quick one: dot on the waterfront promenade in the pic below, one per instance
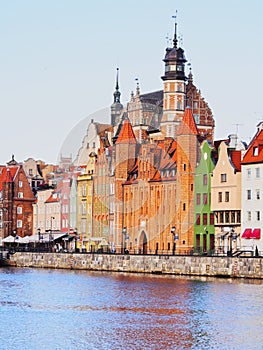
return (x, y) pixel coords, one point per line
(213, 266)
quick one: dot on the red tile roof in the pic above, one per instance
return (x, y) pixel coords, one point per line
(235, 157)
(187, 125)
(126, 134)
(250, 156)
(8, 174)
(52, 199)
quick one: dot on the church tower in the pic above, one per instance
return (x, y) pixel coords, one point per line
(174, 88)
(116, 107)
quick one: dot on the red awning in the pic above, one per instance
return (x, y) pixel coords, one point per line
(247, 233)
(256, 233)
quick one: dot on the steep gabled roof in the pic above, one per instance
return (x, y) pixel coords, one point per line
(254, 153)
(163, 161)
(187, 126)
(126, 134)
(8, 174)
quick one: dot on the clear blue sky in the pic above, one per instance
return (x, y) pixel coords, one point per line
(58, 60)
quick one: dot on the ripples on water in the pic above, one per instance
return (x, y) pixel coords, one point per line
(57, 309)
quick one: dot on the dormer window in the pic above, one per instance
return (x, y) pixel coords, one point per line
(255, 151)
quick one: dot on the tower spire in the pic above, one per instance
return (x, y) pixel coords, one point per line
(117, 79)
(117, 94)
(116, 107)
(175, 30)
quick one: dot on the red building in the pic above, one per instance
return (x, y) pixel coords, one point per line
(16, 199)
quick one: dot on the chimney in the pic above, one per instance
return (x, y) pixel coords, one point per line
(233, 141)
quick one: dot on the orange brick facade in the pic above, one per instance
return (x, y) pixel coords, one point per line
(16, 210)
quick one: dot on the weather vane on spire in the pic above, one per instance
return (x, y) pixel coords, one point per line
(175, 24)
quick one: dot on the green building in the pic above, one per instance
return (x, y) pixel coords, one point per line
(204, 231)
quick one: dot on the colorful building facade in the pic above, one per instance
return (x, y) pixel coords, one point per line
(204, 231)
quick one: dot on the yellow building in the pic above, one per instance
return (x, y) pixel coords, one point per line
(84, 204)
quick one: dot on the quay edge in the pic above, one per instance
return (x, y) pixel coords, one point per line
(214, 266)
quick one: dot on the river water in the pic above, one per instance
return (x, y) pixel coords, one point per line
(62, 309)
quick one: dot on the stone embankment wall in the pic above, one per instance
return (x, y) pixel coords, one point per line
(177, 265)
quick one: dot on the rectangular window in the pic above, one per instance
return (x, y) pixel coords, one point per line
(184, 206)
(83, 208)
(197, 118)
(197, 219)
(223, 177)
(248, 173)
(204, 219)
(255, 151)
(233, 217)
(258, 194)
(20, 184)
(19, 223)
(226, 196)
(198, 198)
(221, 217)
(20, 194)
(249, 216)
(227, 216)
(220, 196)
(212, 219)
(258, 215)
(257, 172)
(205, 179)
(238, 216)
(84, 190)
(179, 105)
(19, 210)
(248, 194)
(205, 198)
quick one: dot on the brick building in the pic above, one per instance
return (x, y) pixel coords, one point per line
(16, 201)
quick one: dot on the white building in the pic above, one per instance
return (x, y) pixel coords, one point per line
(252, 194)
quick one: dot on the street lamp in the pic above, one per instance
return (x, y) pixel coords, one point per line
(233, 238)
(175, 238)
(125, 237)
(39, 234)
(14, 233)
(52, 218)
(76, 238)
(50, 237)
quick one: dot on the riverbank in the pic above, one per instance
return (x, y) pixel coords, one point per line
(214, 266)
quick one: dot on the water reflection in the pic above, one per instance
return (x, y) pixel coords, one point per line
(57, 309)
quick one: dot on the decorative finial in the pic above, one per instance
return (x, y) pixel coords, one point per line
(190, 76)
(137, 86)
(175, 28)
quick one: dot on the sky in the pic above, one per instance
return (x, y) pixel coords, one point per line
(58, 61)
